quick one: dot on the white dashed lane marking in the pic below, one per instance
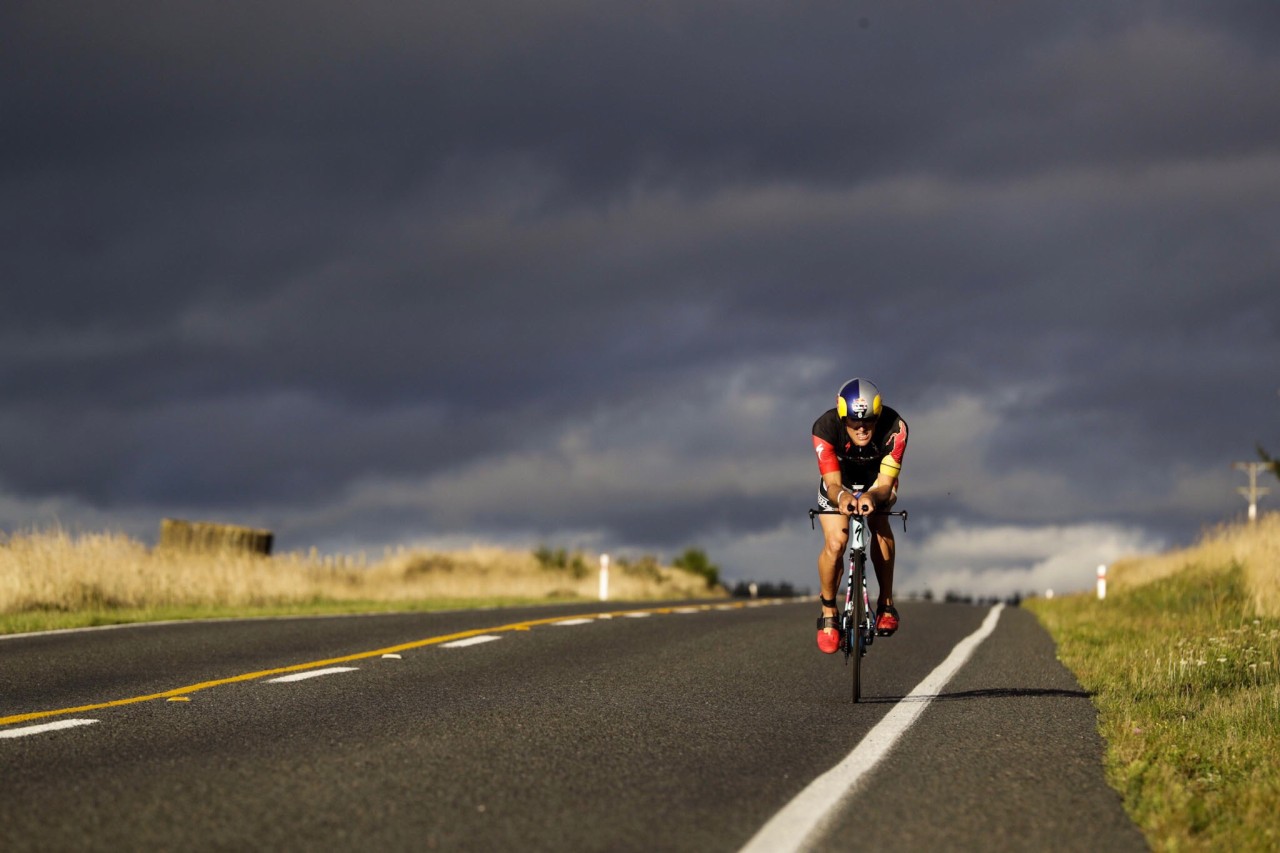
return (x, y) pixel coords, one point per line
(574, 622)
(311, 673)
(470, 641)
(26, 731)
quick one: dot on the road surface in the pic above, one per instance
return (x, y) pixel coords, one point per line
(671, 728)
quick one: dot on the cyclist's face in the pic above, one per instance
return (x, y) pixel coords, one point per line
(860, 429)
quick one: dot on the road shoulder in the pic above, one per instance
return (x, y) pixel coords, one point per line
(1006, 757)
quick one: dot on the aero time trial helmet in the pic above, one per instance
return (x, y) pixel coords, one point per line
(858, 398)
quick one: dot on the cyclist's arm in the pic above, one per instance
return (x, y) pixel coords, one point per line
(829, 469)
(837, 493)
(880, 493)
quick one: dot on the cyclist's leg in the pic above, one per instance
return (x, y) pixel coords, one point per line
(884, 552)
(829, 576)
(835, 536)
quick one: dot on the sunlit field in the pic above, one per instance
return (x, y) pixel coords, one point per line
(1182, 659)
(1254, 547)
(55, 579)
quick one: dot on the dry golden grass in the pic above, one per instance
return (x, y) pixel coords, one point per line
(1254, 547)
(56, 571)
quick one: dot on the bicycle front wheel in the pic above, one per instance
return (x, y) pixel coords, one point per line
(858, 578)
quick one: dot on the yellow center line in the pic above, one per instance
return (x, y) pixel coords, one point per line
(298, 667)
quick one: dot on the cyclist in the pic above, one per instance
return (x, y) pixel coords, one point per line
(860, 444)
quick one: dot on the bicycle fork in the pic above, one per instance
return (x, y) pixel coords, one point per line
(853, 630)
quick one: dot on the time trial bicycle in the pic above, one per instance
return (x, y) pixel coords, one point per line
(857, 620)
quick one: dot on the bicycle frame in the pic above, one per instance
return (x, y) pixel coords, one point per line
(857, 621)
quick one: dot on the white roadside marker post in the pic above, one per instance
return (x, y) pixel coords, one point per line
(604, 577)
(1102, 581)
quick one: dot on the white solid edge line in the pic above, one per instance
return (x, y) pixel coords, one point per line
(45, 727)
(801, 821)
(470, 641)
(311, 673)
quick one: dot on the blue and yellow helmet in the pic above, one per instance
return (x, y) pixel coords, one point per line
(858, 398)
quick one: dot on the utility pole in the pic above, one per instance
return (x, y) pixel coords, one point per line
(1254, 491)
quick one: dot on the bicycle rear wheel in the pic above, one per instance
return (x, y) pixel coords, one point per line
(858, 580)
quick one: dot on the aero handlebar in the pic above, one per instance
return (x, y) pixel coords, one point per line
(901, 513)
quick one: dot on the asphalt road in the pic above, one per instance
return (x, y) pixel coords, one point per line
(674, 731)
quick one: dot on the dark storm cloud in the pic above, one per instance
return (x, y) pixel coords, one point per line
(362, 269)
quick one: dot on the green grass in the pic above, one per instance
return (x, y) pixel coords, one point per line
(48, 620)
(1188, 695)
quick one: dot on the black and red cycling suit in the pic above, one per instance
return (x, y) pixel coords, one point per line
(858, 466)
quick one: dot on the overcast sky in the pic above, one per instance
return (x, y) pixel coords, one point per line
(584, 273)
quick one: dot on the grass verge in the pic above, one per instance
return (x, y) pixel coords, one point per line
(1183, 671)
(52, 579)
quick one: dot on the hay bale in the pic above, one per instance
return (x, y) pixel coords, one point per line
(180, 535)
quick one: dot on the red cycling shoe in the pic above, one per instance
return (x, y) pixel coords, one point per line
(828, 643)
(887, 620)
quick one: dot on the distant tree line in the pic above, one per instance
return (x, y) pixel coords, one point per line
(1013, 600)
(559, 558)
(782, 589)
(693, 560)
(953, 597)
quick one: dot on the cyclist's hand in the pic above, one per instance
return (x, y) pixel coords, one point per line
(846, 502)
(866, 504)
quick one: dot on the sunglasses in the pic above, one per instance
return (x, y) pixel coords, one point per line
(862, 423)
